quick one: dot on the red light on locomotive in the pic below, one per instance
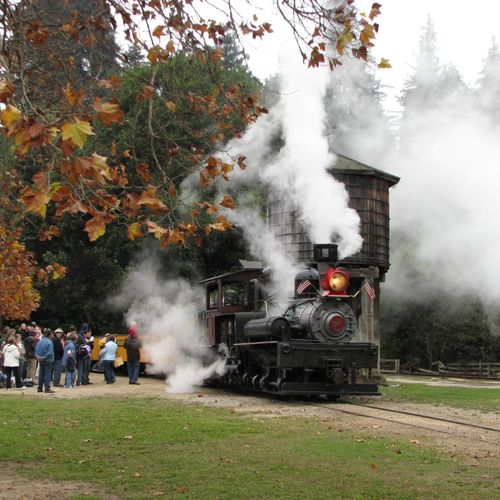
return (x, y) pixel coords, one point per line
(335, 281)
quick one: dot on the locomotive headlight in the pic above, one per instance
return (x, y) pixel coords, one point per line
(337, 281)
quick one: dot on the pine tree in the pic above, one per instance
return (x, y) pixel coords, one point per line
(420, 87)
(488, 92)
(432, 86)
(356, 123)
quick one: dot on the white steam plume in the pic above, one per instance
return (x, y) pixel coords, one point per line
(166, 316)
(300, 170)
(263, 244)
(447, 201)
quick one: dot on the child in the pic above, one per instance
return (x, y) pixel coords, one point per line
(70, 371)
(69, 361)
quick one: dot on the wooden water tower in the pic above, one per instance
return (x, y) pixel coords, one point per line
(368, 190)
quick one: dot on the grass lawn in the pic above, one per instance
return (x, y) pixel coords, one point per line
(139, 448)
(461, 397)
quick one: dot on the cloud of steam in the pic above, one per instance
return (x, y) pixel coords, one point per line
(447, 201)
(444, 238)
(263, 243)
(166, 316)
(299, 172)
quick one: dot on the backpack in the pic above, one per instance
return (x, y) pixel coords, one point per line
(83, 351)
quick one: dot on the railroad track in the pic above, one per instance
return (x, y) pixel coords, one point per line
(336, 408)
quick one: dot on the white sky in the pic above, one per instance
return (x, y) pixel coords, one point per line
(464, 30)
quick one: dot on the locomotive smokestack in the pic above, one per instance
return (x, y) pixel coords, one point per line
(325, 255)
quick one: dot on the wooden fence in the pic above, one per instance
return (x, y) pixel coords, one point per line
(471, 369)
(476, 369)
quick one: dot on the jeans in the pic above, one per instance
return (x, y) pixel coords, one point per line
(70, 378)
(44, 373)
(109, 371)
(133, 368)
(80, 369)
(57, 372)
(22, 368)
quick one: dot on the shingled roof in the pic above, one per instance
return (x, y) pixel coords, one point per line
(346, 165)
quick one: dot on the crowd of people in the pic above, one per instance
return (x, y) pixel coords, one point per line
(31, 356)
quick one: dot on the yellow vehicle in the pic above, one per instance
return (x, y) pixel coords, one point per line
(120, 354)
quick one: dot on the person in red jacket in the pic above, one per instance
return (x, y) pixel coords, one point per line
(133, 346)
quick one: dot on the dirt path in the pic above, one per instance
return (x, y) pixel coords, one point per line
(475, 445)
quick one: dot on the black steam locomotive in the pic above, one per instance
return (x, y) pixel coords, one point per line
(308, 349)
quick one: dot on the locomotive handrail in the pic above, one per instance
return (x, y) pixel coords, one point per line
(256, 343)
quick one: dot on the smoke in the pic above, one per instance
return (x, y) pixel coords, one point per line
(166, 314)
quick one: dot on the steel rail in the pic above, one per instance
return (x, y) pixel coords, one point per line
(442, 419)
(442, 431)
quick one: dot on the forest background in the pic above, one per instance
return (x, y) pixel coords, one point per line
(99, 136)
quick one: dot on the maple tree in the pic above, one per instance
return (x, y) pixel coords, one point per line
(59, 99)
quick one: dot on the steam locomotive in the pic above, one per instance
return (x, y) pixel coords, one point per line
(307, 350)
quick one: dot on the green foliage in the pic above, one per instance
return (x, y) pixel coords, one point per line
(178, 132)
(95, 270)
(437, 327)
(94, 274)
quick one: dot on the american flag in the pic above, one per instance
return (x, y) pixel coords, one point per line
(370, 291)
(303, 285)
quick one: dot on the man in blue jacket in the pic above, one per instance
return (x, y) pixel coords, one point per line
(107, 357)
(44, 352)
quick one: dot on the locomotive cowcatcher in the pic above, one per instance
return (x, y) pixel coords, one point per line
(309, 349)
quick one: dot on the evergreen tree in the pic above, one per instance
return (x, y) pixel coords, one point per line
(86, 48)
(488, 92)
(420, 88)
(356, 123)
(431, 86)
(234, 55)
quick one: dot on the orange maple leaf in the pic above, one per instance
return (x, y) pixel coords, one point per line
(95, 227)
(134, 231)
(227, 202)
(73, 97)
(158, 31)
(170, 106)
(35, 201)
(108, 112)
(6, 90)
(77, 132)
(149, 199)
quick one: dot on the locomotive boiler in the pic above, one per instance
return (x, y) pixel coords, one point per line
(310, 348)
